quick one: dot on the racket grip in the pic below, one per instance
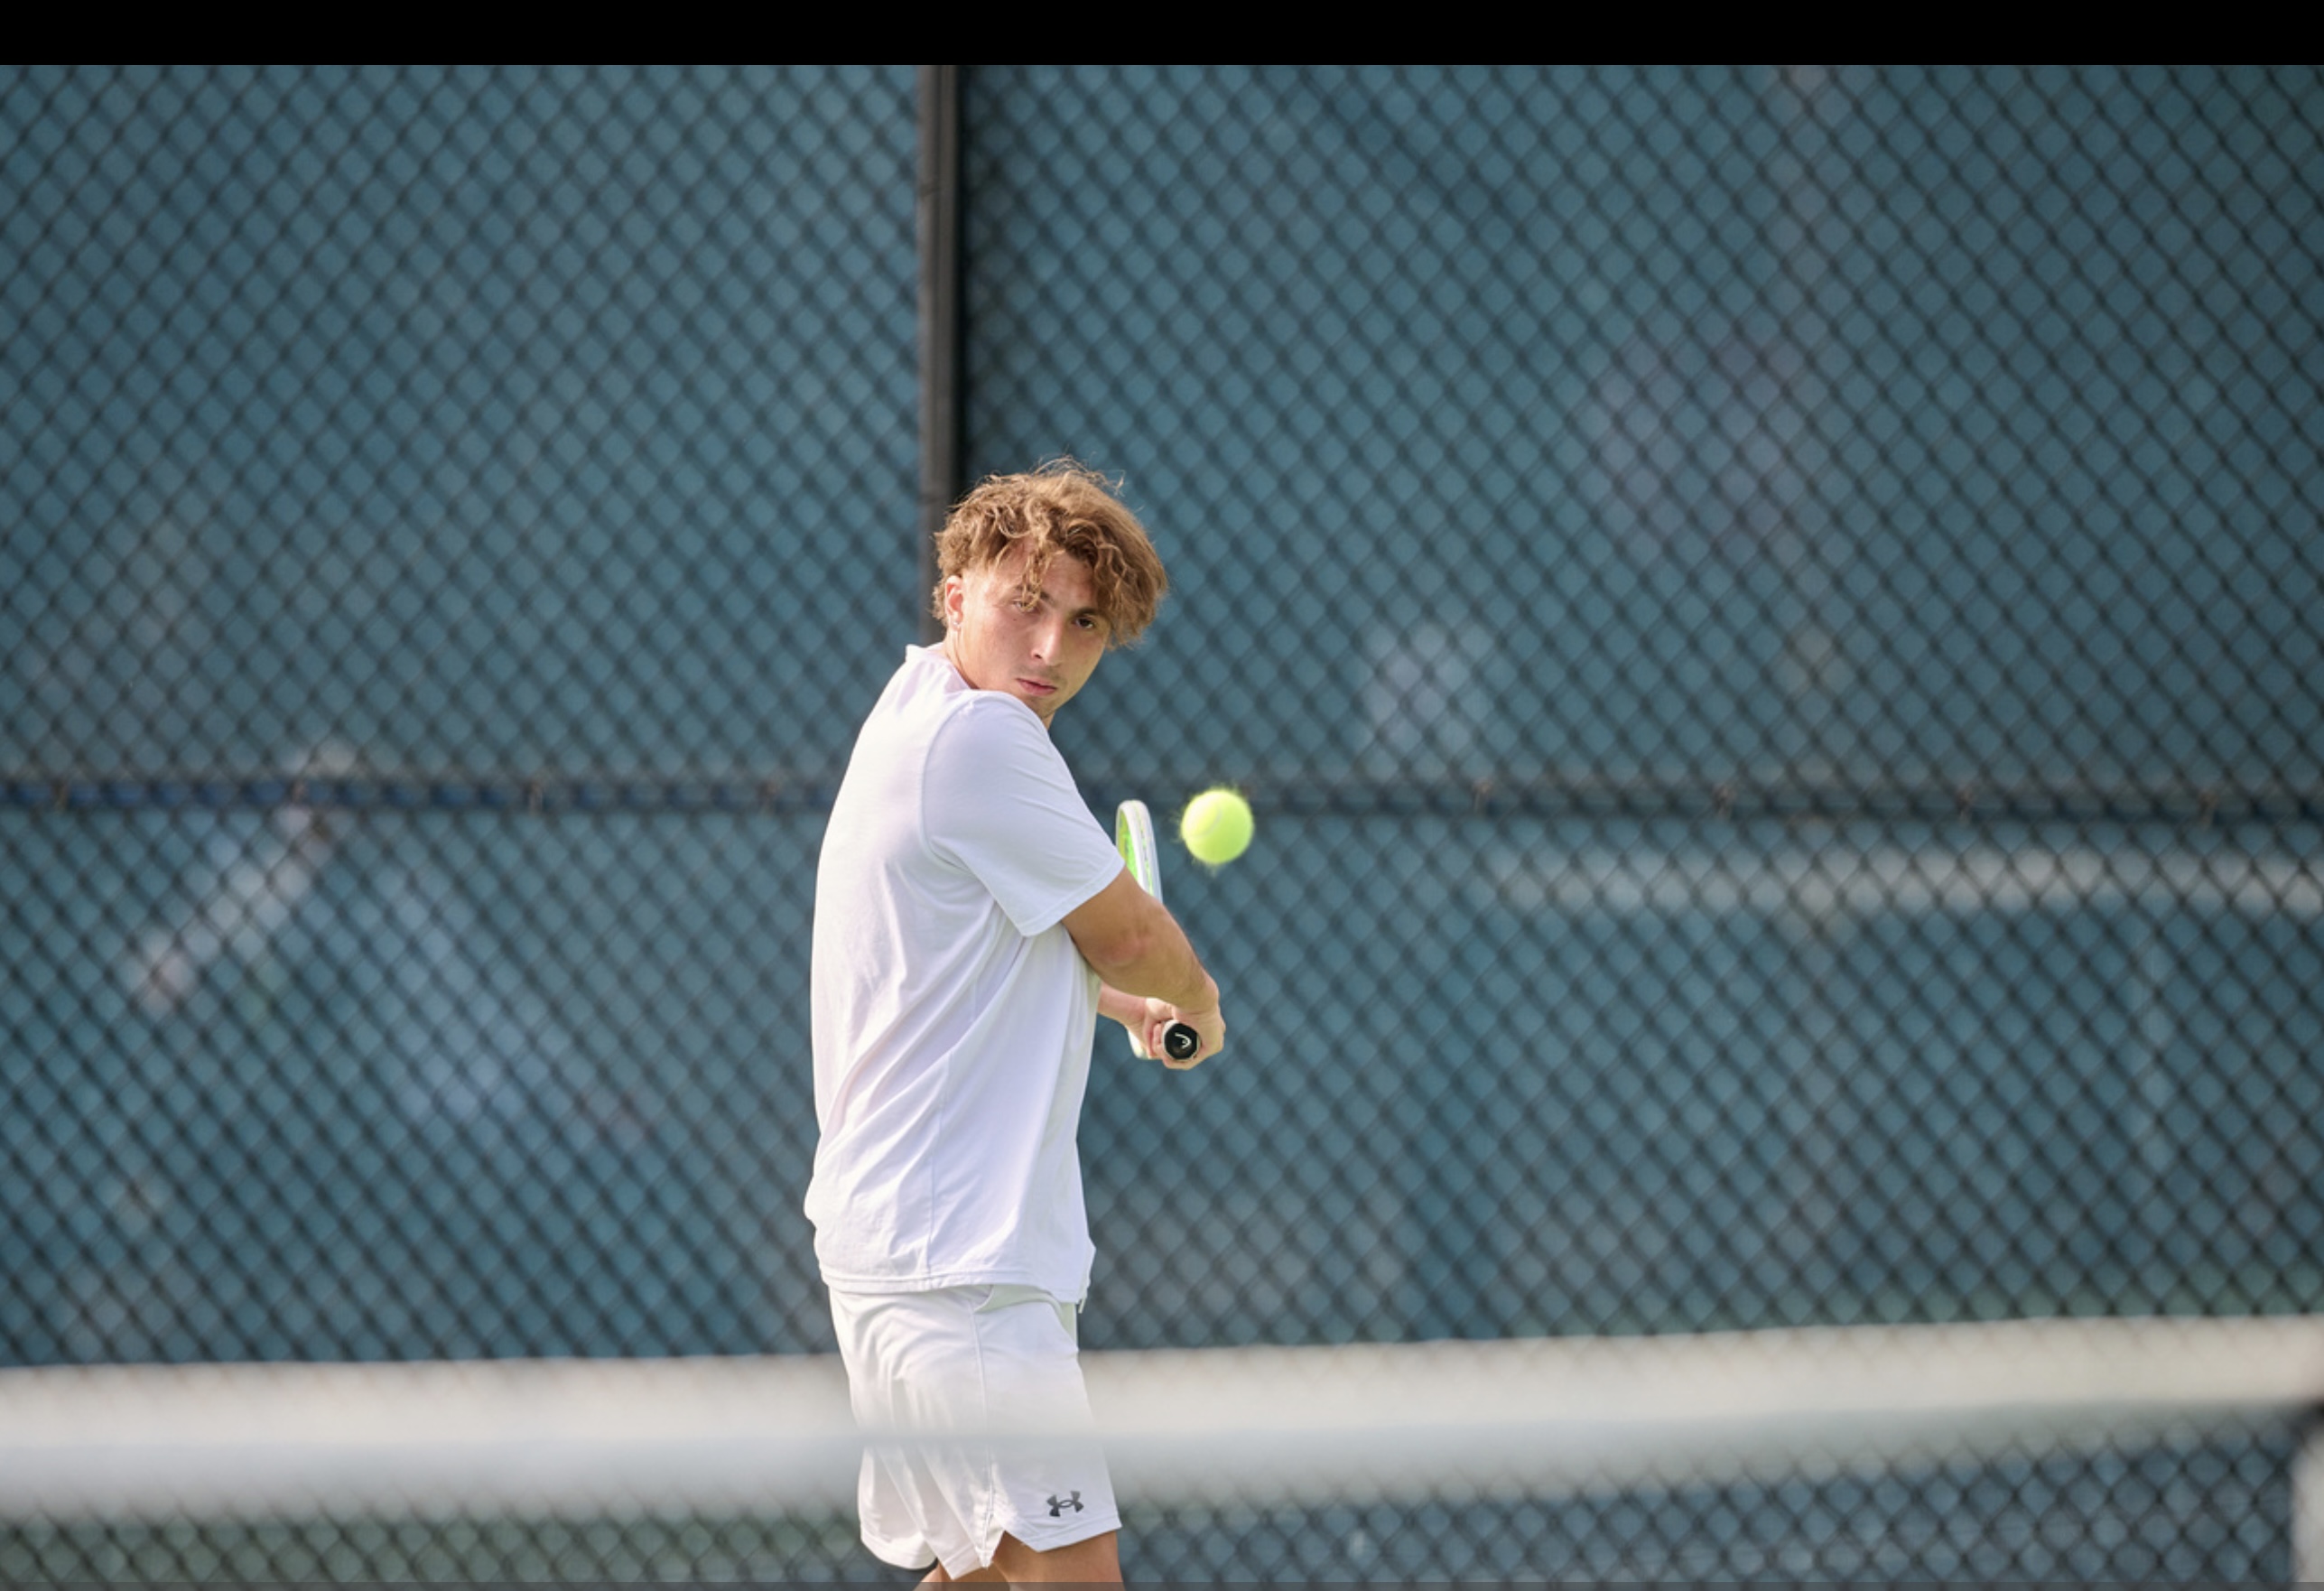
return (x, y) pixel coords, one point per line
(1180, 1042)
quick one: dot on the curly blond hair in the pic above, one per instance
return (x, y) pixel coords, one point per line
(1061, 508)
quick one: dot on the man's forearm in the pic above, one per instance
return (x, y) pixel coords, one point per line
(1164, 967)
(1139, 953)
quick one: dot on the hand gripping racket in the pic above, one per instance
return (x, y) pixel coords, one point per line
(1133, 837)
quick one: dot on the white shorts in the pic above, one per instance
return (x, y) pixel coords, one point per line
(978, 1361)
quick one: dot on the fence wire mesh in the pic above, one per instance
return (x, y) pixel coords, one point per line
(1769, 617)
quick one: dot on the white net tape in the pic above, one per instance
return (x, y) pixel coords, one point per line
(1271, 1425)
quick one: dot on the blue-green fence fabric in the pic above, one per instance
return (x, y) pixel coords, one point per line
(1770, 616)
(1879, 426)
(486, 421)
(407, 423)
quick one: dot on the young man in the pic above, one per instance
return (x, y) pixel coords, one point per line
(972, 921)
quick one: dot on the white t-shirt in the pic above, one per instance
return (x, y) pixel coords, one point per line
(952, 1014)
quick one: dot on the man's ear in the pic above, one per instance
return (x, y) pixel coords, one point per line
(955, 593)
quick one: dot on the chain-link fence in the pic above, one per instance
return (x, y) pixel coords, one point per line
(1769, 619)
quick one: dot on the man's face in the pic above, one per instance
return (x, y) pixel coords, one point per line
(1040, 655)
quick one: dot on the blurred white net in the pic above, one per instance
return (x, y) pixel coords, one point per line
(2014, 1448)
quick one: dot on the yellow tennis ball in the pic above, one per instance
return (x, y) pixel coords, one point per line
(1216, 826)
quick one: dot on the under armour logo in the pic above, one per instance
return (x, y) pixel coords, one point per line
(1057, 1506)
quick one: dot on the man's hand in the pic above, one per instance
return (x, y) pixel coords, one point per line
(1148, 1019)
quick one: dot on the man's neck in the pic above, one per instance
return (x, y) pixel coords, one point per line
(943, 649)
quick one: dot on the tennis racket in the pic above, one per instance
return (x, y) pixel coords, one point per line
(1133, 837)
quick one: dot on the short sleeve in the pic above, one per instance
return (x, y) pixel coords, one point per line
(999, 801)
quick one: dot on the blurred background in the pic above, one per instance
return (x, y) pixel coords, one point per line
(1769, 617)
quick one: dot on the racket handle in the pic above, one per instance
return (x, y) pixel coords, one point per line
(1180, 1042)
